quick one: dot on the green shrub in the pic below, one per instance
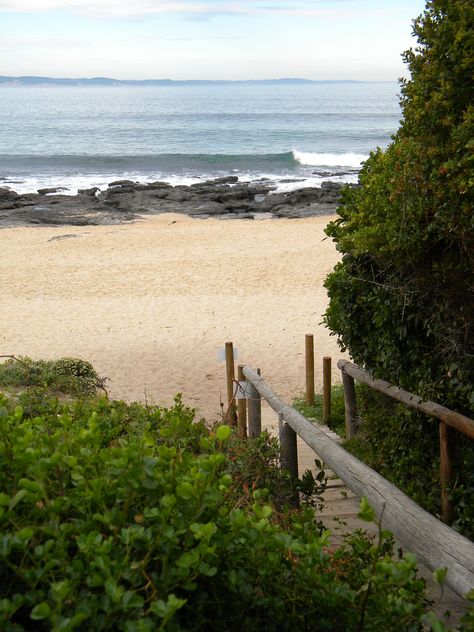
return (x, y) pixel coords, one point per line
(69, 376)
(387, 435)
(134, 524)
(402, 298)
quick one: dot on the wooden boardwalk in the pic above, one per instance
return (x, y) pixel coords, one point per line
(340, 511)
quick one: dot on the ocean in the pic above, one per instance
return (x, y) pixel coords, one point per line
(295, 135)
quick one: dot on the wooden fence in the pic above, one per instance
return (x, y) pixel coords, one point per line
(434, 543)
(450, 421)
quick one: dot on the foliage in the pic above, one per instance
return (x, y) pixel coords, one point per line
(387, 432)
(116, 517)
(336, 418)
(69, 376)
(402, 298)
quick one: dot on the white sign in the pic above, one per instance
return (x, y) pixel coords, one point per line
(221, 354)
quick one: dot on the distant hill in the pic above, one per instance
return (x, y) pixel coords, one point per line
(106, 81)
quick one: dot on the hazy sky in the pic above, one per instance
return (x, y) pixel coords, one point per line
(206, 39)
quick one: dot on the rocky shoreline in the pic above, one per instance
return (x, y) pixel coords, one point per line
(125, 201)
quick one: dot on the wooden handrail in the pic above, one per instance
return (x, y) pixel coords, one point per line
(459, 422)
(449, 421)
(434, 543)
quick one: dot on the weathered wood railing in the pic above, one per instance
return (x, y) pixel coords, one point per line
(434, 543)
(449, 421)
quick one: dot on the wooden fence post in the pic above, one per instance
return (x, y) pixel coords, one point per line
(447, 449)
(254, 410)
(309, 348)
(241, 405)
(289, 455)
(288, 448)
(350, 404)
(230, 374)
(326, 389)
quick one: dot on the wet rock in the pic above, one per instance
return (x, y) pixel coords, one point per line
(125, 200)
(92, 192)
(7, 194)
(49, 190)
(120, 183)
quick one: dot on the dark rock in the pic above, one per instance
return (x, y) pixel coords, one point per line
(92, 191)
(179, 195)
(49, 190)
(124, 200)
(290, 180)
(328, 185)
(152, 186)
(120, 190)
(121, 183)
(7, 194)
(224, 180)
(160, 195)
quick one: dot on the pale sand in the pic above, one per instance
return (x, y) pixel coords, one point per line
(151, 303)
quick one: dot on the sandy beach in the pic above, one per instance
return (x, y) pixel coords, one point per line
(150, 304)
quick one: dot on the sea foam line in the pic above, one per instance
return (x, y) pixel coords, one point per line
(329, 160)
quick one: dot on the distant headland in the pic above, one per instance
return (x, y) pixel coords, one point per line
(106, 81)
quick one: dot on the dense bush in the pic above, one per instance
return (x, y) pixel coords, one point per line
(67, 376)
(118, 517)
(402, 298)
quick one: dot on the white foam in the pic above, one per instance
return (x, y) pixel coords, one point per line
(299, 183)
(72, 183)
(329, 160)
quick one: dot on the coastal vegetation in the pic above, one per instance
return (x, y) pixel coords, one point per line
(402, 298)
(119, 516)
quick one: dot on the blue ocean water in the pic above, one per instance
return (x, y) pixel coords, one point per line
(88, 136)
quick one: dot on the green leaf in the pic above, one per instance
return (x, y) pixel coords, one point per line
(439, 575)
(366, 512)
(113, 590)
(18, 497)
(41, 611)
(185, 490)
(131, 599)
(223, 433)
(25, 534)
(60, 590)
(166, 609)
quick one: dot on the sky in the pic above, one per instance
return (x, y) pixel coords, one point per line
(207, 39)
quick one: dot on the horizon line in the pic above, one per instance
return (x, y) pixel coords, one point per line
(111, 80)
